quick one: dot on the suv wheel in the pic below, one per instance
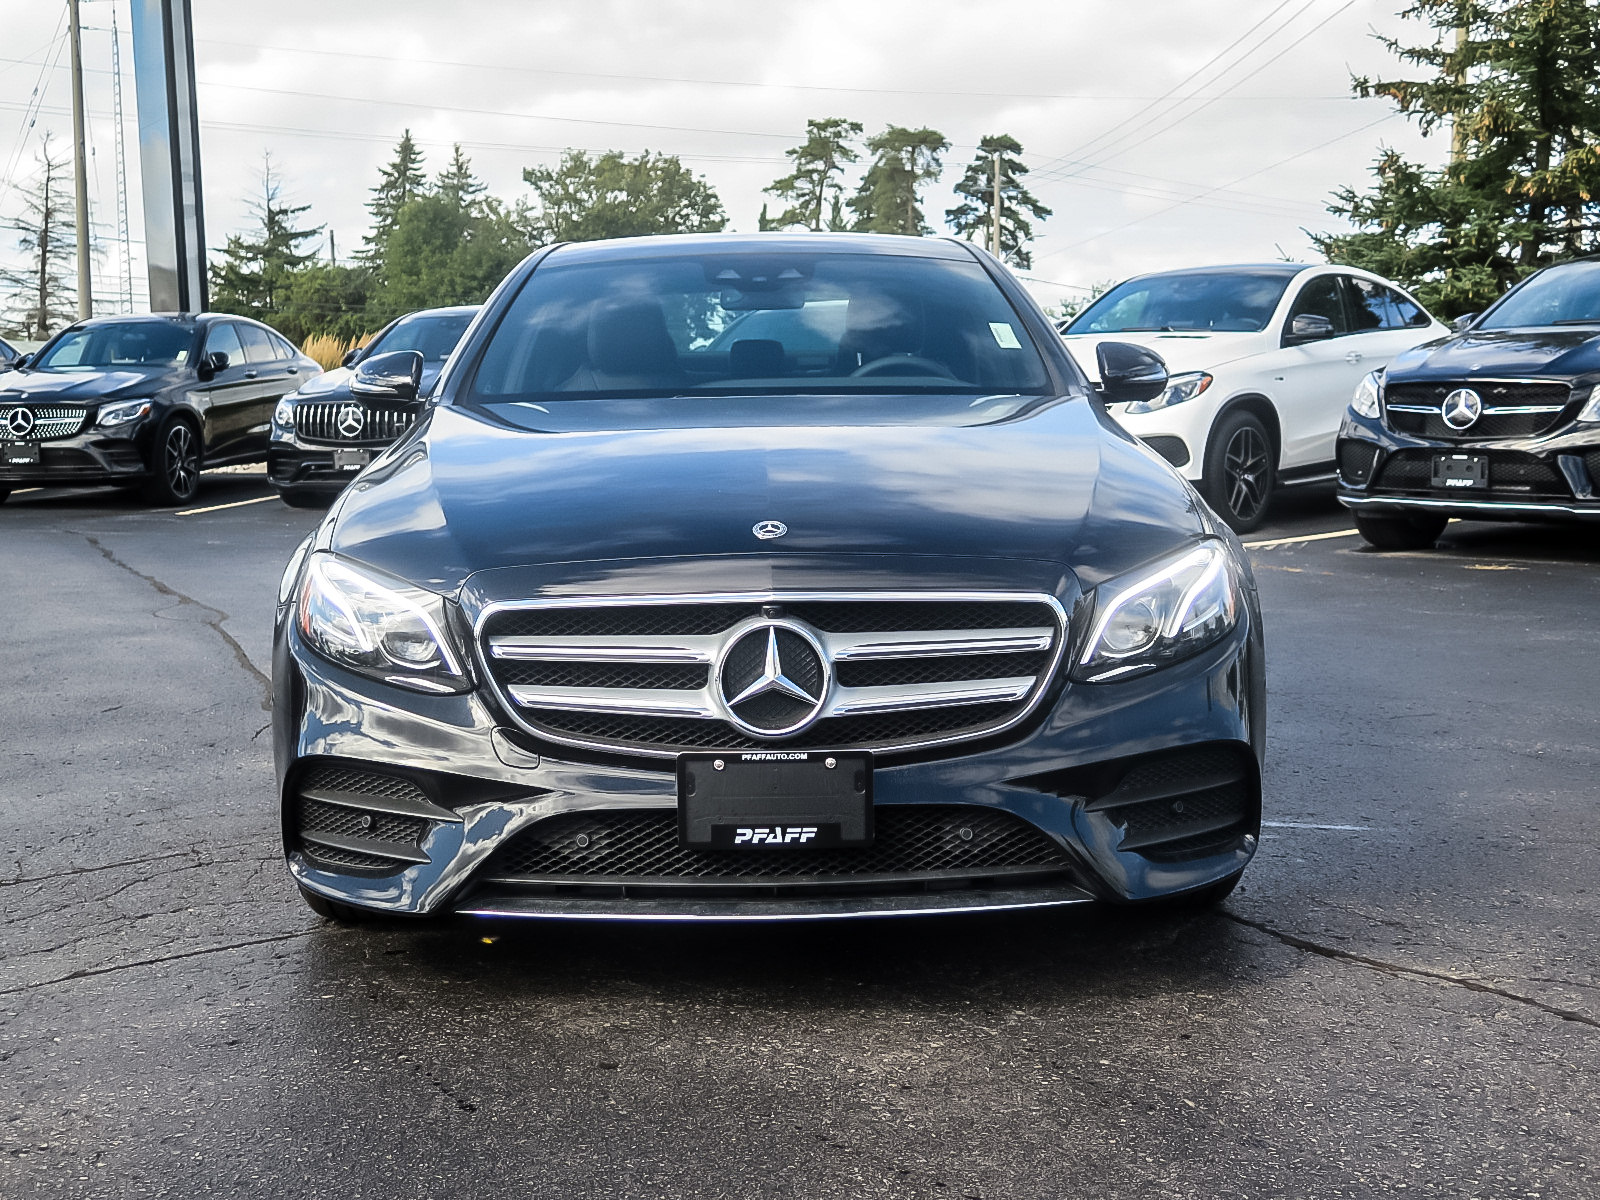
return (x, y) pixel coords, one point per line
(175, 465)
(1240, 473)
(1418, 532)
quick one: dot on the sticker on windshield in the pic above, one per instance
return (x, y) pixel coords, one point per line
(1004, 335)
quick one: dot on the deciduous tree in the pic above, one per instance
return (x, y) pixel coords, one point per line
(43, 298)
(610, 196)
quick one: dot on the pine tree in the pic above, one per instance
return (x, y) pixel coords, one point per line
(903, 160)
(44, 298)
(398, 184)
(255, 276)
(813, 188)
(974, 218)
(457, 185)
(1514, 81)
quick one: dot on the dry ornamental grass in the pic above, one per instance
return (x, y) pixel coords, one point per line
(329, 351)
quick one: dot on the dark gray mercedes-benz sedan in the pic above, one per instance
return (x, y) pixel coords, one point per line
(765, 578)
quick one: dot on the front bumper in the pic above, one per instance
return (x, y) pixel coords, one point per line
(293, 464)
(484, 785)
(91, 457)
(1555, 476)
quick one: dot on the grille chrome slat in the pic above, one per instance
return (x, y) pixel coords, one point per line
(318, 421)
(903, 652)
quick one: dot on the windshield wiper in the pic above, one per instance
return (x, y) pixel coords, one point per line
(1577, 321)
(1147, 329)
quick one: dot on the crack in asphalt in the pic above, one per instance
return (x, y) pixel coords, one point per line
(128, 862)
(214, 617)
(1397, 970)
(91, 972)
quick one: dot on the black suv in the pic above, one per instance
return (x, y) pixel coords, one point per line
(334, 425)
(147, 400)
(1499, 422)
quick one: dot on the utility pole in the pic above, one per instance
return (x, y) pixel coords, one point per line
(997, 204)
(80, 166)
(1458, 136)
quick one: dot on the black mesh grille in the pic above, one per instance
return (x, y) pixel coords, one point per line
(890, 671)
(649, 620)
(366, 783)
(348, 860)
(337, 819)
(1355, 461)
(1176, 770)
(674, 676)
(1591, 461)
(1485, 428)
(910, 840)
(1173, 449)
(1511, 475)
(1161, 821)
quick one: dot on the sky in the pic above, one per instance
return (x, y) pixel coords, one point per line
(1163, 133)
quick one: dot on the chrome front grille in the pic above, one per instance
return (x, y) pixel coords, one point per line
(1511, 408)
(333, 421)
(660, 675)
(49, 421)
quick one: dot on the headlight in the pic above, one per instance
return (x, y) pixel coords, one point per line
(112, 416)
(379, 626)
(1591, 410)
(1179, 389)
(1365, 402)
(283, 415)
(1166, 613)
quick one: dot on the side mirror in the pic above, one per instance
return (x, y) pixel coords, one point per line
(351, 356)
(1129, 373)
(1464, 322)
(210, 365)
(1308, 327)
(396, 376)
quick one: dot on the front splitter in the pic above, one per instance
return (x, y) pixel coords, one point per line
(831, 908)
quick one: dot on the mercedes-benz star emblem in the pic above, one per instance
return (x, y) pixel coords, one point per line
(767, 530)
(20, 421)
(773, 679)
(352, 420)
(1461, 408)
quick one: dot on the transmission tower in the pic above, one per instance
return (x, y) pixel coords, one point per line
(124, 237)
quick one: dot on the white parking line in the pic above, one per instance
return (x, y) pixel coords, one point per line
(1303, 825)
(1308, 537)
(195, 512)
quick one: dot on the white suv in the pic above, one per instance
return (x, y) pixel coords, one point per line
(1264, 360)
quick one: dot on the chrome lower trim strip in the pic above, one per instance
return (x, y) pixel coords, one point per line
(798, 909)
(603, 649)
(638, 702)
(859, 647)
(1487, 506)
(392, 850)
(394, 805)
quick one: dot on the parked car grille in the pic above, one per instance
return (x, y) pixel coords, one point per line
(1174, 449)
(1512, 475)
(1547, 400)
(1171, 806)
(49, 421)
(353, 820)
(643, 678)
(911, 842)
(325, 421)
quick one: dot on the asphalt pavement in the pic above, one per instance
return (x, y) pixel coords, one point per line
(1403, 995)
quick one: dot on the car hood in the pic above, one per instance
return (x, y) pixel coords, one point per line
(1182, 350)
(88, 388)
(1059, 483)
(1561, 351)
(335, 384)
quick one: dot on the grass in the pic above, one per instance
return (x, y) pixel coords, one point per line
(329, 351)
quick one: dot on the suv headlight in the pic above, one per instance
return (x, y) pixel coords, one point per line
(1368, 393)
(1179, 389)
(1591, 410)
(114, 416)
(283, 415)
(378, 625)
(1161, 614)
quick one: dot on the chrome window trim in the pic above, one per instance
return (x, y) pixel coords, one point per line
(1030, 697)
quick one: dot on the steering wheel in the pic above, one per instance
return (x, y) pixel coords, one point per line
(902, 364)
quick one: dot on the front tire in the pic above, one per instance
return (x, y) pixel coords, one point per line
(332, 910)
(1241, 472)
(174, 465)
(1408, 532)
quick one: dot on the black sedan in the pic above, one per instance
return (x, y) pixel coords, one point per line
(637, 623)
(1499, 422)
(147, 400)
(328, 430)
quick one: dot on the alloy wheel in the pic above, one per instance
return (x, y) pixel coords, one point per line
(1245, 464)
(180, 461)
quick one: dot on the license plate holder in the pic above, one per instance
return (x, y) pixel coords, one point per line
(351, 460)
(21, 454)
(1460, 472)
(775, 800)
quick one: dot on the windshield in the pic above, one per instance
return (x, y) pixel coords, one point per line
(744, 323)
(1222, 301)
(434, 336)
(125, 345)
(1567, 295)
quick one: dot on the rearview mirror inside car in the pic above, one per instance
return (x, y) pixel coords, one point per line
(396, 376)
(1129, 373)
